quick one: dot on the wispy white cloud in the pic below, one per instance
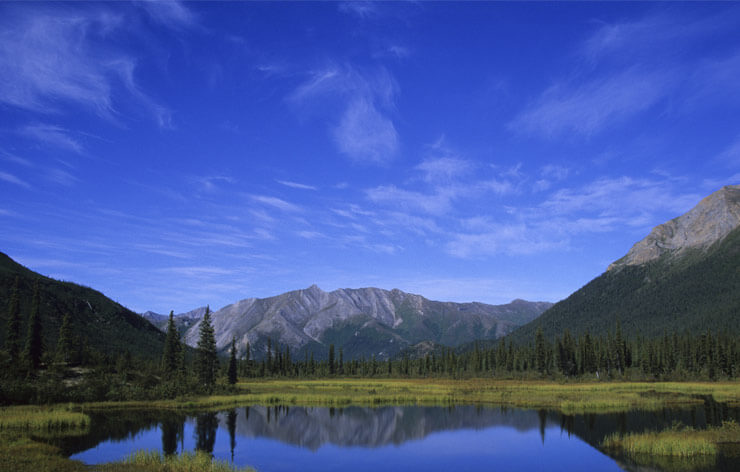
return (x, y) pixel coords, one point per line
(661, 34)
(196, 271)
(628, 67)
(435, 204)
(550, 174)
(52, 136)
(588, 108)
(61, 177)
(297, 185)
(45, 58)
(511, 239)
(445, 181)
(395, 51)
(16, 159)
(444, 169)
(213, 182)
(310, 234)
(364, 132)
(626, 197)
(554, 171)
(278, 203)
(366, 135)
(55, 58)
(10, 178)
(360, 9)
(171, 13)
(163, 251)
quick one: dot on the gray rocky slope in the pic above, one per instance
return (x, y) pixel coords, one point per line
(708, 222)
(363, 322)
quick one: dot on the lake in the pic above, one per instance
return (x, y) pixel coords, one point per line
(357, 439)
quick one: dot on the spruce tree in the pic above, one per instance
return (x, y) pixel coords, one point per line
(171, 354)
(232, 362)
(182, 368)
(540, 354)
(207, 360)
(331, 359)
(34, 342)
(619, 349)
(13, 336)
(64, 343)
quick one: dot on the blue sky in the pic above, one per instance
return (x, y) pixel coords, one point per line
(174, 155)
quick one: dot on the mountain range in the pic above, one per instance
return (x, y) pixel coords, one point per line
(684, 275)
(362, 322)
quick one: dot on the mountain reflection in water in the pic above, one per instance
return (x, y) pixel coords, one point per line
(275, 437)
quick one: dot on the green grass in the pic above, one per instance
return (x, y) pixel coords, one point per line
(677, 441)
(569, 398)
(39, 419)
(21, 454)
(154, 461)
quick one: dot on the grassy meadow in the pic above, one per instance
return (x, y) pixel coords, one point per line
(676, 448)
(569, 398)
(21, 425)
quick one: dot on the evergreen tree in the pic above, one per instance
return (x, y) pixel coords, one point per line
(341, 361)
(207, 358)
(619, 349)
(331, 359)
(232, 362)
(589, 355)
(34, 342)
(540, 352)
(13, 336)
(171, 354)
(182, 368)
(64, 343)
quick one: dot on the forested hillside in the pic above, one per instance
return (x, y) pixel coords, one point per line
(695, 291)
(97, 323)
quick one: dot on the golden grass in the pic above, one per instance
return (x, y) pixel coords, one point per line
(40, 419)
(154, 461)
(21, 454)
(569, 398)
(676, 441)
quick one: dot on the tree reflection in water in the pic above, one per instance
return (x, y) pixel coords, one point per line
(172, 432)
(205, 432)
(231, 425)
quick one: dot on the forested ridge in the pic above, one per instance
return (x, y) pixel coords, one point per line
(98, 324)
(695, 291)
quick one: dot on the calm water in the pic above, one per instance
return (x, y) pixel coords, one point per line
(357, 439)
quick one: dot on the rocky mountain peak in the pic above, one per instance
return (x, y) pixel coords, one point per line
(713, 218)
(363, 321)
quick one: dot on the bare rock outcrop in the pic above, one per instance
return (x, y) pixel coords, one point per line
(708, 222)
(364, 321)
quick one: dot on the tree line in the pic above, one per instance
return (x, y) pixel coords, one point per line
(71, 371)
(687, 356)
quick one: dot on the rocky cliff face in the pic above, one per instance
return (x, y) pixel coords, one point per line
(708, 222)
(364, 322)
